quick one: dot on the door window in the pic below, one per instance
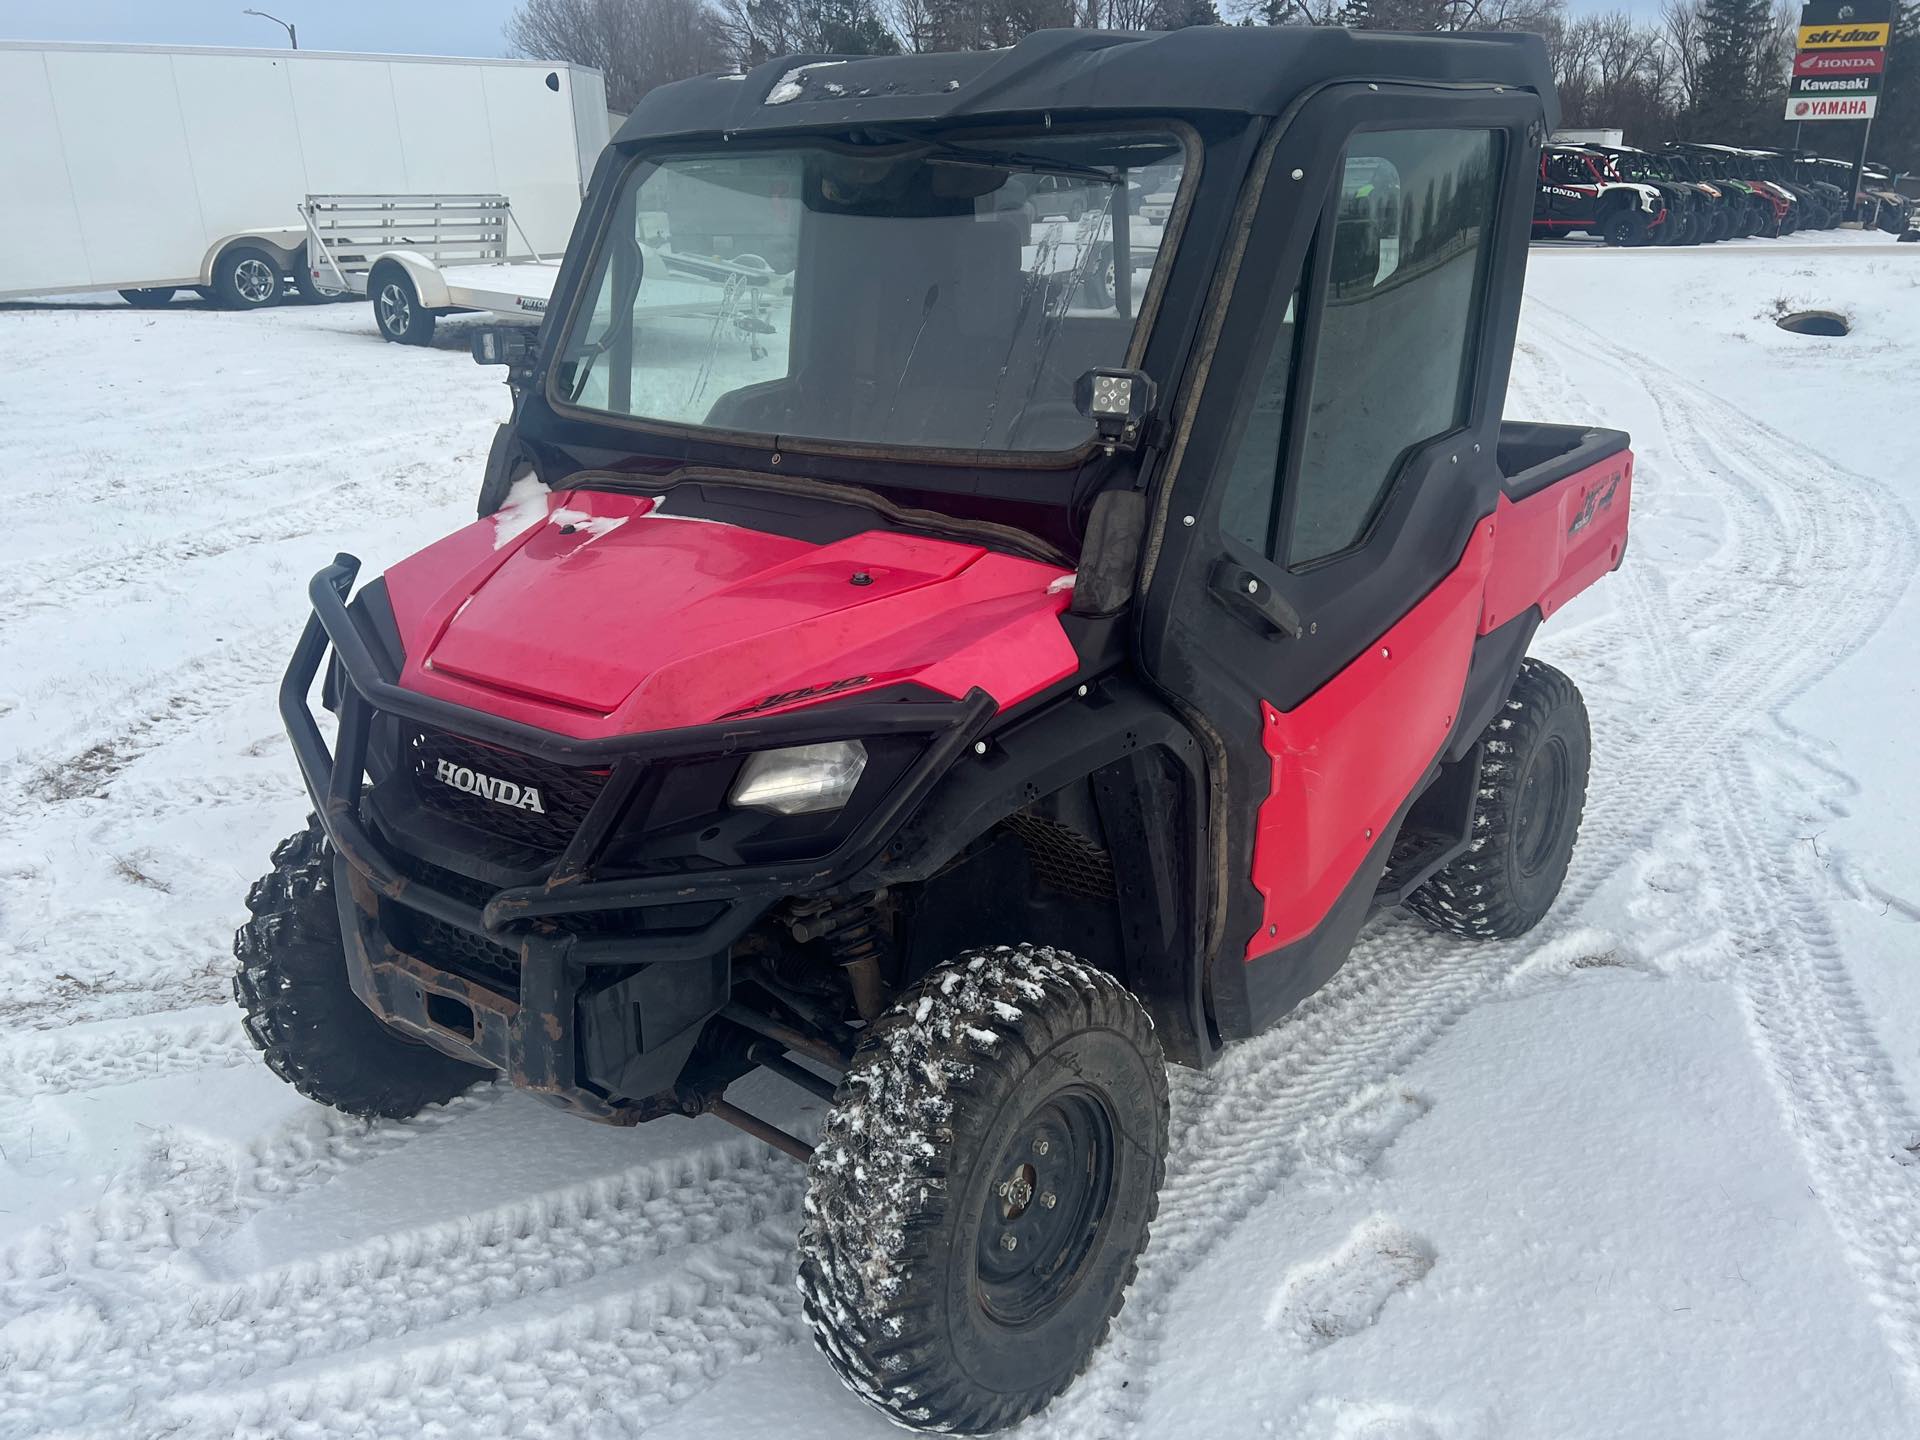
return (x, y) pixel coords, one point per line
(1246, 506)
(1568, 170)
(1393, 363)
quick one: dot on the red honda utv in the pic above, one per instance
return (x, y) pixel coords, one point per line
(891, 661)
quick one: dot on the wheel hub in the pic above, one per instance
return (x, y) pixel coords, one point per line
(1044, 1215)
(1542, 806)
(255, 280)
(394, 308)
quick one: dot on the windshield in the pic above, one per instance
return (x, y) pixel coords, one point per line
(925, 293)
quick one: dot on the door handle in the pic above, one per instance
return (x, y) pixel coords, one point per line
(1253, 600)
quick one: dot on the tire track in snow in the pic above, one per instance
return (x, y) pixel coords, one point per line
(62, 1062)
(136, 566)
(1403, 988)
(180, 1193)
(173, 704)
(1838, 1091)
(328, 1339)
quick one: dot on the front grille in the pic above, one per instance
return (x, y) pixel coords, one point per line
(452, 776)
(445, 946)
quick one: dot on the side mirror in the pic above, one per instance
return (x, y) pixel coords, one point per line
(510, 345)
(1117, 401)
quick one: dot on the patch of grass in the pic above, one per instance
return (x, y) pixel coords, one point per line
(84, 776)
(129, 868)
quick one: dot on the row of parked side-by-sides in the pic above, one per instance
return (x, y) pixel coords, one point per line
(1693, 193)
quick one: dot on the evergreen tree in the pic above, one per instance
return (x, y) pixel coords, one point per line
(851, 27)
(1895, 141)
(1733, 92)
(1179, 14)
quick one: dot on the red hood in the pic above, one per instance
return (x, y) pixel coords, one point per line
(592, 614)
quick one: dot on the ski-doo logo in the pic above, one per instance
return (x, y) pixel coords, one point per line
(488, 787)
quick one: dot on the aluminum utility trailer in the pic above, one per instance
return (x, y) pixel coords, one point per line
(150, 169)
(418, 257)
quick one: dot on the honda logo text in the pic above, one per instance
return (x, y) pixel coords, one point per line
(489, 787)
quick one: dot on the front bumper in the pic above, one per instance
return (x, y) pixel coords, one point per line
(610, 982)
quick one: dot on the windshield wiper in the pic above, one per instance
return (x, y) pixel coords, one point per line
(946, 152)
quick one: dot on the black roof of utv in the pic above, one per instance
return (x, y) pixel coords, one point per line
(1242, 70)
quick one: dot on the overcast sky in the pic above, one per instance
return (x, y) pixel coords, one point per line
(408, 27)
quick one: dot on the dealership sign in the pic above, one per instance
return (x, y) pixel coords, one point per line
(1842, 57)
(1821, 64)
(1857, 107)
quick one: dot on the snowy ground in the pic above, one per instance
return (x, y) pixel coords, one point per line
(1654, 1172)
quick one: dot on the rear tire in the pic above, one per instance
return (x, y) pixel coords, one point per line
(397, 310)
(301, 1013)
(1533, 787)
(246, 278)
(1013, 1095)
(151, 299)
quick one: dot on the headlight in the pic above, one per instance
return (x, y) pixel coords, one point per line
(802, 779)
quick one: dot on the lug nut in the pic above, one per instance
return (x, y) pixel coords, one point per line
(1008, 1242)
(1039, 1147)
(1047, 1202)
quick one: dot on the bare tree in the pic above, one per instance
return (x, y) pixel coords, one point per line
(912, 21)
(636, 44)
(1681, 22)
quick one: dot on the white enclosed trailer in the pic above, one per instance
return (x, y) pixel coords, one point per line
(145, 168)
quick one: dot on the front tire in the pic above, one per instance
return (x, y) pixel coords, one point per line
(301, 1013)
(397, 309)
(1533, 788)
(983, 1188)
(1624, 227)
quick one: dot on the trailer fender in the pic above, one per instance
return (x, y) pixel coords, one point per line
(428, 283)
(288, 246)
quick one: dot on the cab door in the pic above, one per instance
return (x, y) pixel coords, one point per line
(1319, 540)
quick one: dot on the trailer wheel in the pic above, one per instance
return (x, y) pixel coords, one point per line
(1533, 788)
(983, 1188)
(149, 299)
(246, 278)
(301, 1013)
(306, 288)
(397, 309)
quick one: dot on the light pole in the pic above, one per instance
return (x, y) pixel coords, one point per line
(293, 38)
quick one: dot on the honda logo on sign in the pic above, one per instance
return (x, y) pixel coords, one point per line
(1820, 63)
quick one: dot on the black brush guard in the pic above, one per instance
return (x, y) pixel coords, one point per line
(581, 1044)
